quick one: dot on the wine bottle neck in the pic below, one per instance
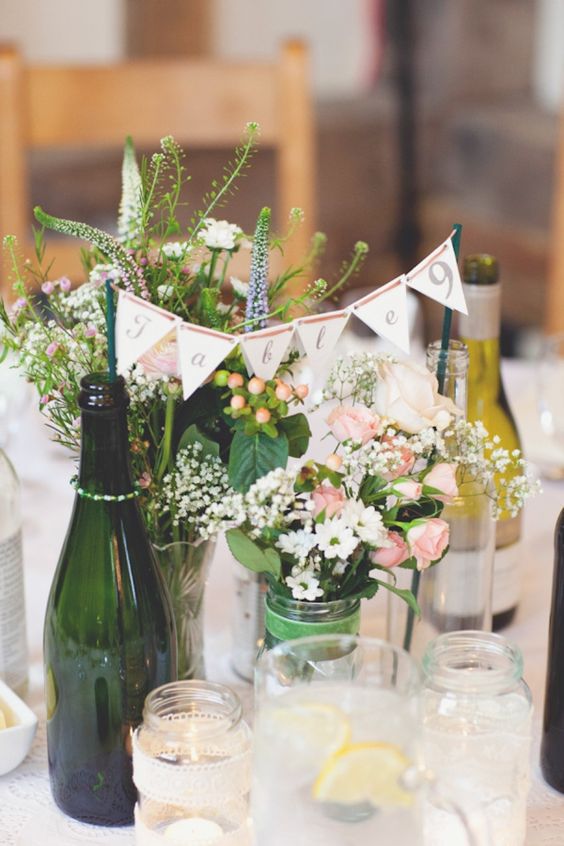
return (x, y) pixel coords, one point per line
(104, 457)
(482, 322)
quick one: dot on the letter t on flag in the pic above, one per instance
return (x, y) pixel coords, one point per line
(385, 312)
(139, 326)
(200, 350)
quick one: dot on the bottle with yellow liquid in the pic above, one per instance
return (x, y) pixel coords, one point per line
(487, 402)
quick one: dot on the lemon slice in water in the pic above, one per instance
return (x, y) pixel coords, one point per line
(316, 727)
(364, 772)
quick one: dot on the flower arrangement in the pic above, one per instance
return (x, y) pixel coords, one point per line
(328, 531)
(244, 427)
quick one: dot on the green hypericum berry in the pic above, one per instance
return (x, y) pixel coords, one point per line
(220, 378)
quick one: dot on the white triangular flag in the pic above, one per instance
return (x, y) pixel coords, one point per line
(319, 333)
(139, 326)
(200, 350)
(385, 312)
(438, 277)
(264, 350)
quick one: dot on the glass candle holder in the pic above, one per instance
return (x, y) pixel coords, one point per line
(477, 733)
(191, 767)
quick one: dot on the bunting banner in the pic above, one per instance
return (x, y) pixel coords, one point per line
(200, 350)
(264, 350)
(438, 277)
(318, 334)
(163, 342)
(385, 312)
(139, 326)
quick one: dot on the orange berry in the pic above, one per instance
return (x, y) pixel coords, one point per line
(301, 391)
(262, 415)
(283, 392)
(235, 380)
(256, 386)
(238, 402)
(333, 461)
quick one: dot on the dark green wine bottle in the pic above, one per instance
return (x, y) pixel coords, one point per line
(109, 632)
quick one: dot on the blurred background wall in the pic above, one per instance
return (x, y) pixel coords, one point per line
(427, 111)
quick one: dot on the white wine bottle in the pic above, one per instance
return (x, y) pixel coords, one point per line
(487, 402)
(13, 643)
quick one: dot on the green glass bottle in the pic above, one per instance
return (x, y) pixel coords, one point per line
(109, 632)
(487, 402)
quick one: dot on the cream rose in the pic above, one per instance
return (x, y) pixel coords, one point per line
(407, 394)
(355, 423)
(427, 541)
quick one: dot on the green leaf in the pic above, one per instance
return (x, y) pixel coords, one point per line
(192, 435)
(248, 553)
(298, 432)
(252, 457)
(404, 594)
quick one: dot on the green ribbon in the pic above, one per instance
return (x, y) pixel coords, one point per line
(283, 628)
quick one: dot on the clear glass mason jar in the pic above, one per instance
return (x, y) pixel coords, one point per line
(456, 593)
(456, 370)
(192, 767)
(477, 713)
(288, 619)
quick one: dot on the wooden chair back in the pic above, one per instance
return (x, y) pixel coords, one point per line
(203, 103)
(554, 309)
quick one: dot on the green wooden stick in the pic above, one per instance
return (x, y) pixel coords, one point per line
(441, 377)
(111, 330)
(447, 320)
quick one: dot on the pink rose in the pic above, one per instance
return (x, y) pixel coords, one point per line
(427, 541)
(356, 423)
(391, 556)
(407, 459)
(329, 499)
(162, 357)
(442, 477)
(408, 489)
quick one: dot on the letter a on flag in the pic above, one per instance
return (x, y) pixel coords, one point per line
(200, 350)
(319, 333)
(385, 312)
(264, 350)
(438, 277)
(139, 326)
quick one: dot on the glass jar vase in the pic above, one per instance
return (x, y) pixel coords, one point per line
(477, 714)
(455, 593)
(192, 767)
(185, 567)
(288, 619)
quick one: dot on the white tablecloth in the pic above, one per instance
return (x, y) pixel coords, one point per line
(27, 814)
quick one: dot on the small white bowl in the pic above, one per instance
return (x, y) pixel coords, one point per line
(16, 739)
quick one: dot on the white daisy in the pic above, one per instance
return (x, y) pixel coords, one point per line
(304, 586)
(366, 522)
(335, 538)
(298, 543)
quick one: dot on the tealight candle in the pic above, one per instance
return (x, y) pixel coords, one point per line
(192, 831)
